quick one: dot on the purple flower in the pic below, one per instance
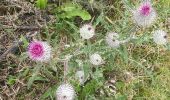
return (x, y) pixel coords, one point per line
(145, 9)
(39, 51)
(144, 15)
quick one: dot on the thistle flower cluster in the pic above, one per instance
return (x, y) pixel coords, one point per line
(143, 16)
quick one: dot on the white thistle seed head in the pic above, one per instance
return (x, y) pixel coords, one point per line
(145, 14)
(87, 31)
(112, 40)
(65, 92)
(160, 37)
(80, 76)
(96, 59)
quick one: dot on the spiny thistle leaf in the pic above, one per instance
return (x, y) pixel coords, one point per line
(89, 89)
(35, 76)
(49, 92)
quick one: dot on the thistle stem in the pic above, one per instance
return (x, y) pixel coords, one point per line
(65, 70)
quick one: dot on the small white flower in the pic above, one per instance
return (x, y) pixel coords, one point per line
(65, 92)
(80, 76)
(96, 59)
(112, 40)
(145, 14)
(160, 37)
(87, 31)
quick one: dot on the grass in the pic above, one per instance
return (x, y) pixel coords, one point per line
(147, 63)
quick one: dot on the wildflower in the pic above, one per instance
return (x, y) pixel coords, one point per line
(80, 76)
(96, 59)
(87, 31)
(145, 14)
(160, 37)
(112, 40)
(39, 51)
(65, 92)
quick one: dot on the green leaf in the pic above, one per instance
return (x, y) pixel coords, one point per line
(49, 93)
(121, 97)
(34, 76)
(69, 7)
(168, 46)
(98, 76)
(11, 80)
(24, 73)
(70, 10)
(42, 4)
(120, 85)
(25, 42)
(165, 3)
(23, 56)
(124, 53)
(89, 89)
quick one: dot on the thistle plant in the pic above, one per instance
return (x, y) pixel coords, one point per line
(39, 51)
(109, 44)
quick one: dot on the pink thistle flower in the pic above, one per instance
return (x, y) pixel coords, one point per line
(39, 51)
(145, 9)
(145, 14)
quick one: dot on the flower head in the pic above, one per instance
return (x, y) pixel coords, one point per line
(65, 92)
(112, 40)
(96, 59)
(87, 31)
(145, 9)
(144, 15)
(39, 51)
(160, 37)
(80, 76)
